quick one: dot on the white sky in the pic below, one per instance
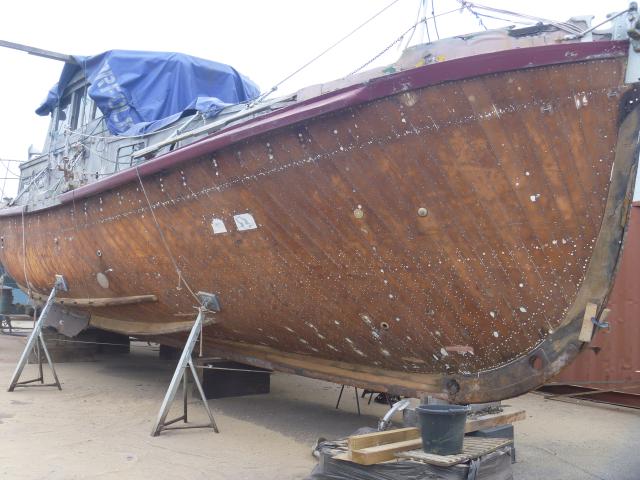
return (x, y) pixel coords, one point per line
(264, 39)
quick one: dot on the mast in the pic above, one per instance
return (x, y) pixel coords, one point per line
(39, 52)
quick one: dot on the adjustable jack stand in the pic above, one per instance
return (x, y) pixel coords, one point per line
(37, 340)
(181, 374)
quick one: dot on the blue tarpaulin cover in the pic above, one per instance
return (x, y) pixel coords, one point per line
(140, 92)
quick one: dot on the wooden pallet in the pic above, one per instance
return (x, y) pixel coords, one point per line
(473, 447)
(377, 447)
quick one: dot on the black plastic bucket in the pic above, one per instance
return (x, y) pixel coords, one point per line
(442, 428)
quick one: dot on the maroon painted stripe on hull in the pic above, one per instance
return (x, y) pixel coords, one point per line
(408, 80)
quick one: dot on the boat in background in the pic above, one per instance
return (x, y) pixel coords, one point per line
(441, 226)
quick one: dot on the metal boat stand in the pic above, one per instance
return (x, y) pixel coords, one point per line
(340, 398)
(181, 374)
(37, 340)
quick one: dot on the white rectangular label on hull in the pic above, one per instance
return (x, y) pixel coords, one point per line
(245, 221)
(218, 226)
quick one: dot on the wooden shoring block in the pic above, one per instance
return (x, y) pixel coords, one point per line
(494, 420)
(383, 453)
(377, 447)
(357, 442)
(586, 332)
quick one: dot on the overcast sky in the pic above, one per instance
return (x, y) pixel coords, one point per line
(265, 40)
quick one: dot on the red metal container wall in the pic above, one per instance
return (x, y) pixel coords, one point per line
(614, 355)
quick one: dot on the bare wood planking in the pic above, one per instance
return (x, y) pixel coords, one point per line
(590, 313)
(100, 302)
(383, 453)
(357, 442)
(472, 448)
(507, 417)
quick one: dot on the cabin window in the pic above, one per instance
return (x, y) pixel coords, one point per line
(89, 109)
(75, 110)
(93, 110)
(63, 113)
(78, 95)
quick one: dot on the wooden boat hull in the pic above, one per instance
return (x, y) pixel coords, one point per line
(436, 231)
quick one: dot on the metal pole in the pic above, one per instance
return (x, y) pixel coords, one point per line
(33, 338)
(203, 396)
(39, 355)
(46, 353)
(184, 395)
(39, 52)
(339, 397)
(185, 362)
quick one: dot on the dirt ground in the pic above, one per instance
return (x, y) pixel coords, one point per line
(99, 426)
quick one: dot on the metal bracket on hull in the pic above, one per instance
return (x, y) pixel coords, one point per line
(37, 340)
(181, 375)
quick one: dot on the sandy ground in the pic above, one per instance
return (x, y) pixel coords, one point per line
(98, 426)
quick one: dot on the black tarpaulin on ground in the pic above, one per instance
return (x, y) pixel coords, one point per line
(494, 466)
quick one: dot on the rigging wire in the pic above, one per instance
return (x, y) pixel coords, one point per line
(508, 20)
(426, 27)
(17, 175)
(421, 4)
(4, 181)
(433, 15)
(8, 171)
(321, 54)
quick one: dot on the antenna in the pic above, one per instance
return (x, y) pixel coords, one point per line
(39, 52)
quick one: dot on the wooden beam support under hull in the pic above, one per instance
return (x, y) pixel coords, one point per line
(99, 302)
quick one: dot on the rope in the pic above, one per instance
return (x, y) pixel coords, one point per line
(23, 330)
(321, 54)
(24, 253)
(60, 340)
(181, 279)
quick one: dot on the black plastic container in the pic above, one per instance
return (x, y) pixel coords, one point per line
(442, 428)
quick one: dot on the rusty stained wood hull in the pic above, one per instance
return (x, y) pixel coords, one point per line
(479, 300)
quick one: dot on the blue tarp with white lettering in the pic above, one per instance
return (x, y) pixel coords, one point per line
(141, 92)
